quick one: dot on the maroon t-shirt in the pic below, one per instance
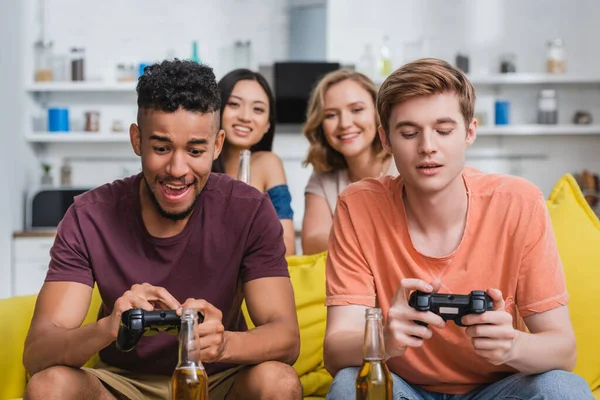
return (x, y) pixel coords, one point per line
(233, 234)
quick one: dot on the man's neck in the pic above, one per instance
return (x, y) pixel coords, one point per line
(437, 221)
(157, 225)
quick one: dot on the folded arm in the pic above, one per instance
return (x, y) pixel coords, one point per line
(276, 336)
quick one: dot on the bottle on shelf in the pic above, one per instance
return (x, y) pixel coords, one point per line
(367, 63)
(65, 173)
(43, 62)
(195, 54)
(556, 62)
(384, 63)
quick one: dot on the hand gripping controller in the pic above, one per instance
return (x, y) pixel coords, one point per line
(137, 322)
(451, 306)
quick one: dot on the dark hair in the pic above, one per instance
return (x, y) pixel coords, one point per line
(226, 85)
(170, 85)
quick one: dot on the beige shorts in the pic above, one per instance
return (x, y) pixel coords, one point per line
(129, 385)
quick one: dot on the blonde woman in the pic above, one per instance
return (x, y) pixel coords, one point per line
(341, 127)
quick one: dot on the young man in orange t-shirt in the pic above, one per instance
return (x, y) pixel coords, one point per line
(442, 227)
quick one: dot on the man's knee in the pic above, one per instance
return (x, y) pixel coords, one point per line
(561, 384)
(62, 382)
(282, 381)
(343, 385)
(49, 383)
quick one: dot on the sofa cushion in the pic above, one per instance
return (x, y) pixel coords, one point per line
(577, 231)
(307, 274)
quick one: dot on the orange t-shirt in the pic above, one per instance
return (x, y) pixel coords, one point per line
(508, 243)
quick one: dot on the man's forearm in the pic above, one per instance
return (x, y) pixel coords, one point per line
(542, 352)
(342, 350)
(276, 341)
(71, 347)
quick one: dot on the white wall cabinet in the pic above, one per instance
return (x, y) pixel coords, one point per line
(31, 256)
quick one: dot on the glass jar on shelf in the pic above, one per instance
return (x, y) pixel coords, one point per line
(555, 60)
(43, 62)
(77, 64)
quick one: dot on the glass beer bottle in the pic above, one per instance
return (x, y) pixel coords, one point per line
(244, 167)
(374, 381)
(189, 381)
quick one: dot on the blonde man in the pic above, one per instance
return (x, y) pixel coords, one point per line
(442, 227)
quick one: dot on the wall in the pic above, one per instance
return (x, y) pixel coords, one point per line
(11, 99)
(487, 29)
(132, 31)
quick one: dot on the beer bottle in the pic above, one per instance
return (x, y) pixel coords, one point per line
(189, 381)
(244, 167)
(374, 381)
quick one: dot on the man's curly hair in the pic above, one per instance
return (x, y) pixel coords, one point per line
(170, 85)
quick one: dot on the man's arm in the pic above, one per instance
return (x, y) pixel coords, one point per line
(56, 336)
(344, 337)
(276, 337)
(550, 345)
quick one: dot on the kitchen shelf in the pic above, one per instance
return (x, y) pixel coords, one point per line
(77, 137)
(499, 130)
(527, 79)
(82, 87)
(538, 130)
(532, 79)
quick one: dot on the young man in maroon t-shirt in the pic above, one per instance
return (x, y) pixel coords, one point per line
(175, 236)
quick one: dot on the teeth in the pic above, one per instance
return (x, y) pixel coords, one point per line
(349, 136)
(242, 128)
(174, 187)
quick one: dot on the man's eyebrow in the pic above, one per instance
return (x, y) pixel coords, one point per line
(197, 141)
(445, 120)
(400, 124)
(161, 138)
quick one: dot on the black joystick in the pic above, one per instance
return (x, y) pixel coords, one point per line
(451, 306)
(137, 322)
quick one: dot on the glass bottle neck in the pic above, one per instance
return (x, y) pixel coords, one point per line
(187, 352)
(244, 167)
(373, 348)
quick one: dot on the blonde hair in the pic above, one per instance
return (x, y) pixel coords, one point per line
(321, 155)
(424, 77)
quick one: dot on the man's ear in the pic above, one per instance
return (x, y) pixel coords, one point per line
(384, 139)
(135, 137)
(472, 132)
(219, 140)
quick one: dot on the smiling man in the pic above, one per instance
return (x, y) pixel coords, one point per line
(443, 227)
(174, 236)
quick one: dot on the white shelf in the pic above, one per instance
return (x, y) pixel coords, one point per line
(538, 130)
(77, 137)
(500, 130)
(82, 87)
(527, 79)
(531, 79)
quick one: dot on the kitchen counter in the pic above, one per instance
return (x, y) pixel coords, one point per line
(32, 234)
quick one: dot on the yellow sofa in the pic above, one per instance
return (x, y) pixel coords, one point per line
(577, 232)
